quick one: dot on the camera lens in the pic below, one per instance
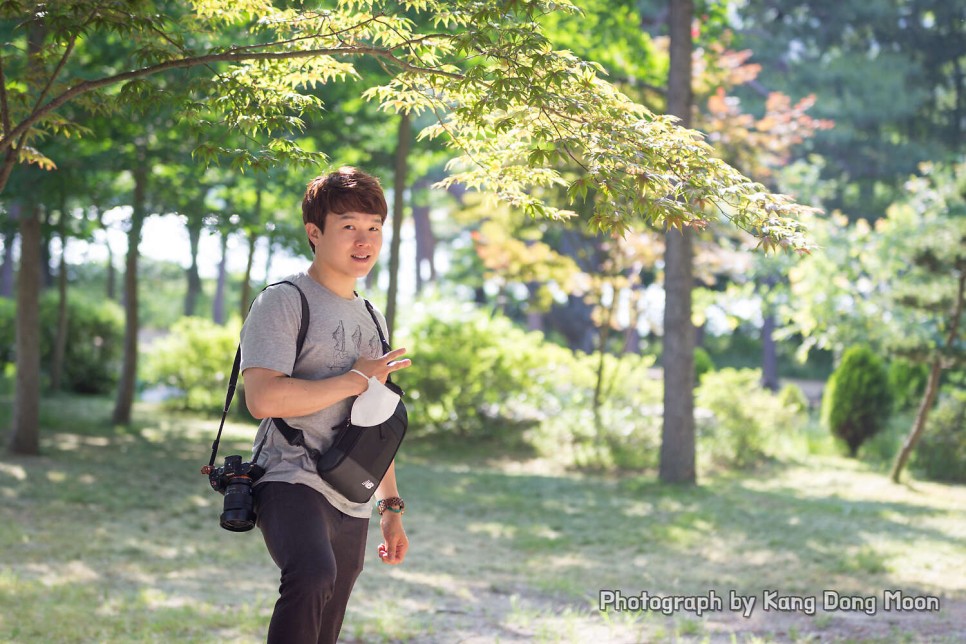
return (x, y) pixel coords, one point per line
(239, 513)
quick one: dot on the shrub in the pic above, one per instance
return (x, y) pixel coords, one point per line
(745, 417)
(473, 368)
(195, 358)
(702, 363)
(857, 399)
(908, 382)
(941, 453)
(479, 375)
(792, 396)
(628, 438)
(95, 341)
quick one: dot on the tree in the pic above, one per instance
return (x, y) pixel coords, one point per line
(497, 91)
(931, 228)
(677, 463)
(898, 286)
(891, 73)
(401, 169)
(129, 365)
(26, 407)
(857, 401)
(761, 147)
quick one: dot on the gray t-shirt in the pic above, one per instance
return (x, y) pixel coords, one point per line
(339, 332)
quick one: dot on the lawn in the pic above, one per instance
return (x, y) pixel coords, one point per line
(112, 536)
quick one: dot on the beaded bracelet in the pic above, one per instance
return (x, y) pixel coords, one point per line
(393, 504)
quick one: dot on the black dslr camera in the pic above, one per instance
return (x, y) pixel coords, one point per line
(235, 480)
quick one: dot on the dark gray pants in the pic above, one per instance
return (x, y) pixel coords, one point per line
(320, 552)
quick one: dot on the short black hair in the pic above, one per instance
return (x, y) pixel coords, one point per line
(347, 189)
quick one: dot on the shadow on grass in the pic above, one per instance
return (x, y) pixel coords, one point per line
(125, 513)
(728, 528)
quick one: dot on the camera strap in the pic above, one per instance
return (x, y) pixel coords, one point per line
(236, 366)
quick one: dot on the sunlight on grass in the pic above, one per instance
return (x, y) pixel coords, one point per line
(112, 535)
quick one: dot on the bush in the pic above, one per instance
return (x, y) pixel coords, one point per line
(628, 439)
(941, 453)
(794, 398)
(196, 359)
(479, 375)
(745, 417)
(473, 369)
(908, 382)
(702, 363)
(857, 399)
(95, 341)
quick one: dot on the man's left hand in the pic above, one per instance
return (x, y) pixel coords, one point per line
(395, 543)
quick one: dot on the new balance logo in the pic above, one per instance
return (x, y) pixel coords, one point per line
(368, 484)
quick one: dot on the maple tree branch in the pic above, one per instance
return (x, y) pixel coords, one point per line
(6, 142)
(60, 67)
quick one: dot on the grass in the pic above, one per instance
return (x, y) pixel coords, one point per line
(111, 535)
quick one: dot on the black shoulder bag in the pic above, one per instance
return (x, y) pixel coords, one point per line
(359, 457)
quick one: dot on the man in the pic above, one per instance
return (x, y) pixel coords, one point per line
(315, 535)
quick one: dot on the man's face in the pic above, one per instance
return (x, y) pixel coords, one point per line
(350, 244)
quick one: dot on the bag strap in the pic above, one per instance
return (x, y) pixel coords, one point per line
(295, 437)
(236, 366)
(382, 338)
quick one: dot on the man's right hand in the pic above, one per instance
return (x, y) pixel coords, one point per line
(381, 367)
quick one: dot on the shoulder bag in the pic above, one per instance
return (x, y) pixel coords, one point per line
(359, 457)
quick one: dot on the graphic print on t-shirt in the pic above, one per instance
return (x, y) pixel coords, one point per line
(341, 355)
(357, 339)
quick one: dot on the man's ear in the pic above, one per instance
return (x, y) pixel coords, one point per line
(313, 232)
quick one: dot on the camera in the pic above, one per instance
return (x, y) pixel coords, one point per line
(235, 480)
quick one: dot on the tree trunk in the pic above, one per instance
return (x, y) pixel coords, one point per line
(534, 315)
(25, 436)
(769, 353)
(769, 350)
(632, 340)
(9, 161)
(111, 274)
(6, 270)
(111, 271)
(603, 335)
(398, 208)
(959, 111)
(632, 337)
(425, 239)
(60, 343)
(269, 255)
(919, 424)
(46, 275)
(218, 303)
(246, 286)
(932, 385)
(194, 227)
(677, 437)
(129, 366)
